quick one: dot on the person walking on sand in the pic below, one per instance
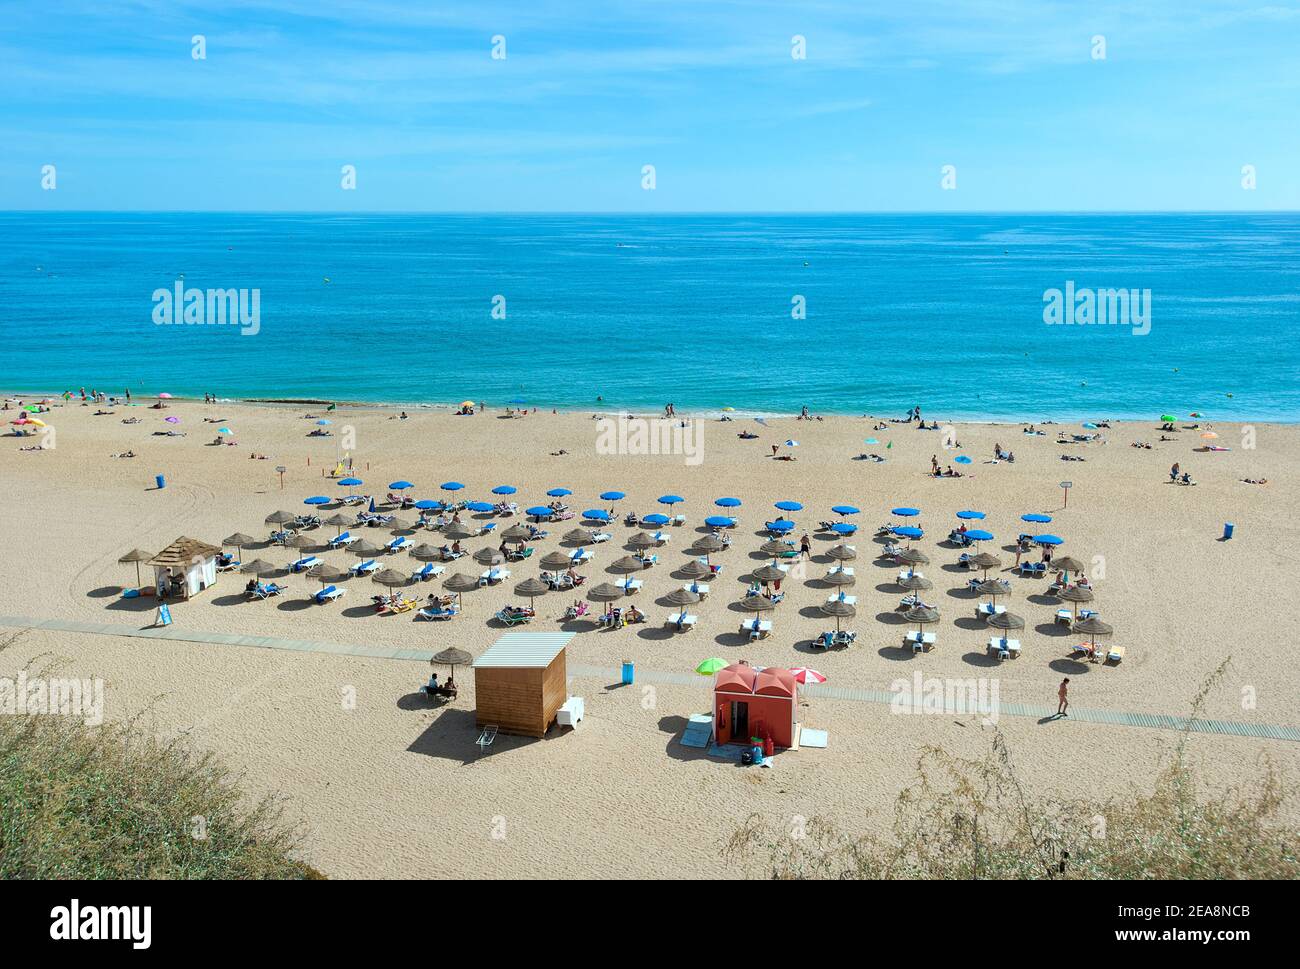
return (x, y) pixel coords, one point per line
(805, 546)
(1062, 699)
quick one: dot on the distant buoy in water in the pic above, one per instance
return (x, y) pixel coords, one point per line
(327, 279)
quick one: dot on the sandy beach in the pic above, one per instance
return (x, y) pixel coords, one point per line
(392, 786)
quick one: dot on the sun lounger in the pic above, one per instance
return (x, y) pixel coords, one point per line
(393, 606)
(486, 738)
(436, 612)
(840, 569)
(661, 538)
(399, 543)
(845, 637)
(429, 571)
(701, 589)
(228, 566)
(986, 609)
(304, 563)
(493, 575)
(581, 555)
(328, 594)
(913, 599)
(683, 621)
(909, 574)
(630, 585)
(515, 617)
(1064, 616)
(266, 590)
(339, 541)
(648, 561)
(1004, 648)
(843, 597)
(756, 628)
(1033, 568)
(599, 537)
(365, 568)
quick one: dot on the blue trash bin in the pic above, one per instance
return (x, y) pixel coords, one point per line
(160, 481)
(628, 670)
(1227, 530)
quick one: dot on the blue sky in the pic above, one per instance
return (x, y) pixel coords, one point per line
(1007, 91)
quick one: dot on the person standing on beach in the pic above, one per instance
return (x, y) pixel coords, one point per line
(805, 546)
(1062, 699)
(934, 464)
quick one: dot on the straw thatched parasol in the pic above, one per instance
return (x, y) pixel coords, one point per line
(516, 533)
(683, 597)
(300, 541)
(458, 530)
(137, 556)
(1075, 595)
(453, 657)
(259, 567)
(1006, 620)
(577, 536)
(327, 573)
(709, 544)
(460, 582)
(842, 553)
(839, 578)
(392, 578)
(757, 604)
(985, 561)
(774, 546)
(628, 563)
(912, 556)
(642, 540)
(1091, 627)
(605, 592)
(840, 610)
(1067, 563)
(239, 540)
(768, 573)
(280, 517)
(363, 548)
(921, 615)
(399, 525)
(532, 588)
(915, 583)
(695, 569)
(426, 552)
(556, 561)
(489, 556)
(339, 521)
(994, 588)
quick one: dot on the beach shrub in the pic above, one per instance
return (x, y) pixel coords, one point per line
(115, 802)
(974, 819)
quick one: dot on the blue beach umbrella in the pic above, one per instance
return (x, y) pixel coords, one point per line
(979, 535)
(504, 490)
(908, 531)
(316, 500)
(1039, 519)
(596, 514)
(788, 506)
(906, 512)
(427, 504)
(538, 511)
(612, 496)
(844, 509)
(727, 502)
(719, 521)
(1049, 540)
(559, 492)
(400, 485)
(962, 459)
(843, 528)
(451, 486)
(350, 482)
(971, 515)
(781, 526)
(480, 505)
(656, 519)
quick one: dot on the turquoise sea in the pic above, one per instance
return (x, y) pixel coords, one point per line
(944, 311)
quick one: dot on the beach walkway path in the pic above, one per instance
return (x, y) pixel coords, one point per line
(1154, 721)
